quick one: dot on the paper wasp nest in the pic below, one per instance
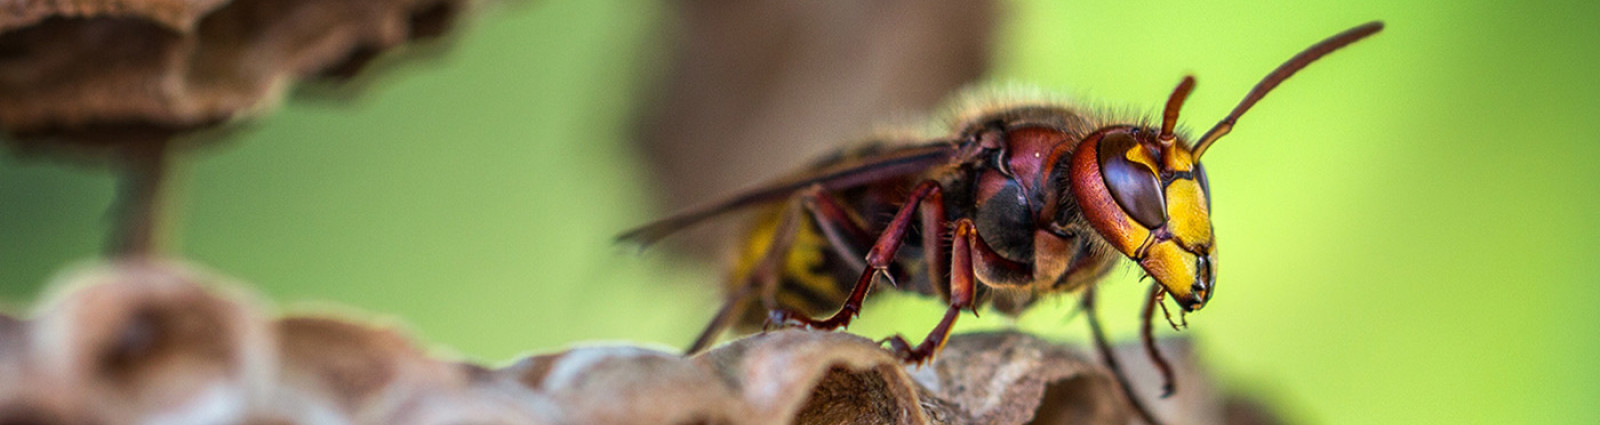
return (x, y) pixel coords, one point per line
(145, 342)
(104, 73)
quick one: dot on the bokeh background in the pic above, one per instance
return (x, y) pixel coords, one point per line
(1407, 227)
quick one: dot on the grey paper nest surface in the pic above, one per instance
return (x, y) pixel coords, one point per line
(112, 72)
(142, 342)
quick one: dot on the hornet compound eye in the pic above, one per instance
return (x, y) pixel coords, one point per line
(1133, 184)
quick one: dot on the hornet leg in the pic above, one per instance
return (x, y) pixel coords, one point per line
(962, 291)
(879, 258)
(1149, 338)
(1111, 360)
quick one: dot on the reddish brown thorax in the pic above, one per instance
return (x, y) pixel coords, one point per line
(1008, 193)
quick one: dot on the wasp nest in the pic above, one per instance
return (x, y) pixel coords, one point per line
(146, 342)
(110, 72)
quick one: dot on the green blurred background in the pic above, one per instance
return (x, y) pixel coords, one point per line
(1407, 226)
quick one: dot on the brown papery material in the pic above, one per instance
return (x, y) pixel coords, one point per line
(98, 74)
(155, 342)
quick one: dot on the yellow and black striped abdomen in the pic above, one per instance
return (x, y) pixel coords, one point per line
(811, 277)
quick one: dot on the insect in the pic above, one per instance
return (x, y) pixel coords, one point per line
(1011, 202)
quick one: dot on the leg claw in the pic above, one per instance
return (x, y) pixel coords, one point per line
(778, 319)
(905, 352)
(782, 318)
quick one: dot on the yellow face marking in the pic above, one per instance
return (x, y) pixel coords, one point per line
(1173, 261)
(1142, 156)
(1167, 262)
(1187, 217)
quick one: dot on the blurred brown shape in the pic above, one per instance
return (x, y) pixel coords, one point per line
(758, 87)
(1013, 378)
(144, 342)
(104, 73)
(339, 372)
(117, 80)
(148, 342)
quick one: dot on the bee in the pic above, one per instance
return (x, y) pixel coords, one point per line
(1011, 202)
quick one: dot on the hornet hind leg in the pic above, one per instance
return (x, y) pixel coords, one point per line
(926, 196)
(845, 235)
